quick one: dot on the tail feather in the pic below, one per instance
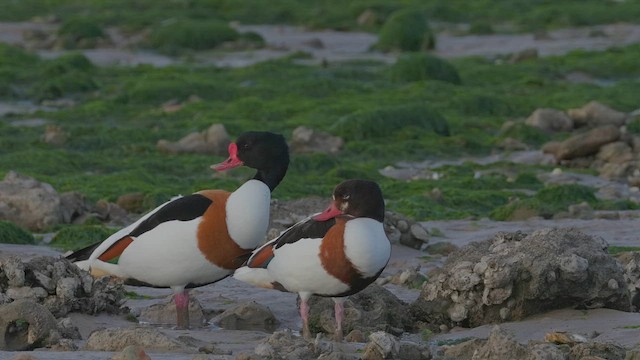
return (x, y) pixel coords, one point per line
(255, 276)
(84, 253)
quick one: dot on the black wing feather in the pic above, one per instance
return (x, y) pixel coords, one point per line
(184, 209)
(305, 229)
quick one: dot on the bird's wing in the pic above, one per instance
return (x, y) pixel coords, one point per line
(182, 208)
(305, 229)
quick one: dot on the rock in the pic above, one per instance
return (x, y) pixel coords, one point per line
(584, 144)
(381, 346)
(165, 313)
(409, 277)
(633, 354)
(213, 141)
(60, 286)
(131, 202)
(373, 309)
(631, 264)
(73, 206)
(615, 152)
(463, 350)
(68, 330)
(116, 339)
(418, 232)
(29, 203)
(355, 336)
(413, 351)
(545, 351)
(601, 350)
(132, 352)
(54, 135)
(595, 114)
(550, 120)
(247, 316)
(500, 345)
(515, 275)
(306, 140)
(283, 345)
(110, 212)
(25, 325)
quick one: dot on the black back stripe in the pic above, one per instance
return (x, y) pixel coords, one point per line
(305, 230)
(183, 209)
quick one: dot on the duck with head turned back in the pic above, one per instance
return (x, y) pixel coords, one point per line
(335, 253)
(197, 239)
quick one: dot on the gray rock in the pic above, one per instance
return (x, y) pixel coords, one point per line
(587, 143)
(165, 313)
(60, 286)
(283, 345)
(596, 114)
(116, 339)
(25, 325)
(373, 309)
(418, 232)
(28, 202)
(247, 316)
(306, 140)
(381, 346)
(616, 152)
(550, 120)
(601, 350)
(13, 270)
(547, 351)
(521, 275)
(132, 352)
(214, 141)
(499, 346)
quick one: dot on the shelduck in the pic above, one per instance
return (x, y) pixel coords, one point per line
(197, 239)
(335, 253)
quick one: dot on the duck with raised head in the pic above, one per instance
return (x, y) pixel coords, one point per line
(197, 239)
(335, 253)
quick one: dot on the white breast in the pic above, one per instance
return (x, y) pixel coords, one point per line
(366, 245)
(248, 214)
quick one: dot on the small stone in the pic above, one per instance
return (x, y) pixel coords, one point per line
(418, 232)
(132, 352)
(613, 284)
(355, 336)
(402, 225)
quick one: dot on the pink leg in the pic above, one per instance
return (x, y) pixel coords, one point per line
(304, 314)
(182, 309)
(339, 311)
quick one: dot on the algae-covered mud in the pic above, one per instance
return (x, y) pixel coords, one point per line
(107, 120)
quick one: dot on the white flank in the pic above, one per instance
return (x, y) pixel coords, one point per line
(169, 255)
(298, 267)
(248, 214)
(366, 245)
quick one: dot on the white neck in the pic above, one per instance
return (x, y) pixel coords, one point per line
(248, 214)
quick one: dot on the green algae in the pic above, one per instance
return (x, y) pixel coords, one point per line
(11, 233)
(118, 119)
